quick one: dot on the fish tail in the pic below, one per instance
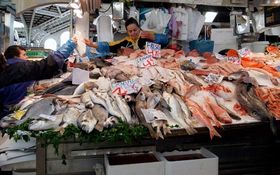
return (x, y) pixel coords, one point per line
(273, 126)
(190, 130)
(214, 132)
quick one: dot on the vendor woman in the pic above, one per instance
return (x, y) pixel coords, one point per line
(136, 39)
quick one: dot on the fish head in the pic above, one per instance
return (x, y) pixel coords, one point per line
(141, 96)
(85, 125)
(36, 125)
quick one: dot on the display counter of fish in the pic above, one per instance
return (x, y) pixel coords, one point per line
(169, 98)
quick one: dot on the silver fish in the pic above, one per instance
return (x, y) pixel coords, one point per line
(187, 115)
(176, 112)
(44, 106)
(44, 124)
(70, 116)
(87, 121)
(142, 104)
(96, 98)
(113, 108)
(123, 106)
(85, 98)
(101, 115)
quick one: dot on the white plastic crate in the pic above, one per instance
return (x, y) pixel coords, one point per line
(134, 164)
(193, 162)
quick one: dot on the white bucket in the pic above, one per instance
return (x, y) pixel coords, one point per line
(259, 46)
(247, 45)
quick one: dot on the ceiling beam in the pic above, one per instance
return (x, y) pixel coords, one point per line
(47, 13)
(58, 9)
(30, 26)
(24, 24)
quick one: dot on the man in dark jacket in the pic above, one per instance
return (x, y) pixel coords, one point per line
(16, 74)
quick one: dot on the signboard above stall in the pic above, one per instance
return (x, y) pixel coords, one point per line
(272, 16)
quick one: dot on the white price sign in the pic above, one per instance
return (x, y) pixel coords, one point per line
(244, 52)
(153, 49)
(234, 60)
(126, 87)
(146, 61)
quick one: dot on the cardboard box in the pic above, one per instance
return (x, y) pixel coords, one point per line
(134, 164)
(193, 162)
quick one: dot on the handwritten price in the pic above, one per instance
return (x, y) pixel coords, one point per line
(153, 49)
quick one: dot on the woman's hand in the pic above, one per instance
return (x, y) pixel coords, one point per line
(90, 43)
(147, 35)
(75, 39)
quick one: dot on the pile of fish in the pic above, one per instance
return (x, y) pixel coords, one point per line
(177, 91)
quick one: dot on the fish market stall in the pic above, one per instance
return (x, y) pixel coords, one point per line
(137, 102)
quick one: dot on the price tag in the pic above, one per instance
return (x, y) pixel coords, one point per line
(146, 61)
(234, 60)
(213, 78)
(48, 117)
(126, 87)
(220, 57)
(153, 49)
(79, 76)
(244, 52)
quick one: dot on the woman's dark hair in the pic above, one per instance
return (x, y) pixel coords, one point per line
(3, 62)
(131, 20)
(13, 51)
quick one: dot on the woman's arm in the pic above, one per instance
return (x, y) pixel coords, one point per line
(107, 47)
(157, 38)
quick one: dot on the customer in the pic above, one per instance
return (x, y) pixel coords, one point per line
(136, 39)
(15, 52)
(16, 74)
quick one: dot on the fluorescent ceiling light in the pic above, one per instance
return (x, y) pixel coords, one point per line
(210, 16)
(18, 25)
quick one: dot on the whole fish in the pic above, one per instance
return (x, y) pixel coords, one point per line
(87, 121)
(101, 115)
(85, 86)
(176, 112)
(70, 116)
(256, 108)
(44, 106)
(85, 98)
(112, 106)
(123, 106)
(142, 104)
(187, 114)
(44, 124)
(96, 98)
(201, 117)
